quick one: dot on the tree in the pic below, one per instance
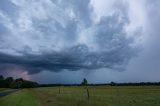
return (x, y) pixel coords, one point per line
(1, 81)
(19, 79)
(1, 77)
(29, 84)
(84, 82)
(112, 83)
(14, 84)
(8, 81)
(19, 82)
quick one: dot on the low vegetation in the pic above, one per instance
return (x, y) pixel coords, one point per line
(19, 98)
(77, 96)
(9, 82)
(2, 89)
(84, 94)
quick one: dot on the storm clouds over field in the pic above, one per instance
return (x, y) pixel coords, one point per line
(64, 41)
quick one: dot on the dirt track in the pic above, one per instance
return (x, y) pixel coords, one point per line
(7, 92)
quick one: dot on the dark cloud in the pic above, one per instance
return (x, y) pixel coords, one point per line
(37, 32)
(75, 58)
(67, 40)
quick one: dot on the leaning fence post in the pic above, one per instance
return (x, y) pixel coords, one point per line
(59, 90)
(88, 93)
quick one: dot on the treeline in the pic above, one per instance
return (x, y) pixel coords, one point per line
(105, 84)
(135, 84)
(9, 82)
(85, 83)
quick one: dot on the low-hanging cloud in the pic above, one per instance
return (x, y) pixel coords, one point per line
(57, 35)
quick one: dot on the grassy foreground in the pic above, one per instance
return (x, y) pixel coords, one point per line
(2, 89)
(77, 96)
(20, 98)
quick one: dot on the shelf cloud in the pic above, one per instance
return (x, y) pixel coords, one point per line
(74, 35)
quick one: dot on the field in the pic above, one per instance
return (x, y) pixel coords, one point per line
(77, 96)
(2, 89)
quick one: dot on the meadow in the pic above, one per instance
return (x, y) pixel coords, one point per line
(2, 89)
(77, 96)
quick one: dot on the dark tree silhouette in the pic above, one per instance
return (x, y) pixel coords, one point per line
(9, 82)
(1, 77)
(1, 81)
(84, 82)
(112, 83)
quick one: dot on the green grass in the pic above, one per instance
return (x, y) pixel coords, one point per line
(99, 96)
(2, 89)
(77, 96)
(19, 98)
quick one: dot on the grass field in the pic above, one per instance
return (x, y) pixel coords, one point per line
(77, 96)
(2, 89)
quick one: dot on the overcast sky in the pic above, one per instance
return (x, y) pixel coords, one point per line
(64, 41)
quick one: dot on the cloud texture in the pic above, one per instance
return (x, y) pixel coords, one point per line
(55, 35)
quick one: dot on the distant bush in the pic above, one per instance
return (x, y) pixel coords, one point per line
(112, 83)
(9, 82)
(84, 82)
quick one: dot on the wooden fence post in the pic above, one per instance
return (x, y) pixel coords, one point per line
(59, 90)
(88, 96)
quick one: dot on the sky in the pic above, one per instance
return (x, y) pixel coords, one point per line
(64, 41)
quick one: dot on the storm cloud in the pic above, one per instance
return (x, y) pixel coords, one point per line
(56, 35)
